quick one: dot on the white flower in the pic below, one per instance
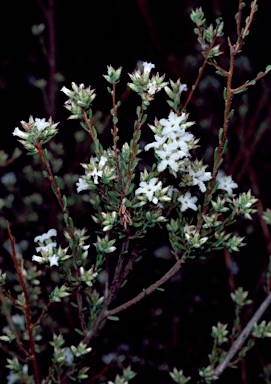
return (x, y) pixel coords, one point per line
(147, 67)
(66, 91)
(181, 138)
(19, 320)
(39, 259)
(149, 188)
(156, 144)
(225, 182)
(168, 158)
(85, 247)
(188, 201)
(45, 236)
(46, 248)
(189, 229)
(12, 378)
(152, 87)
(199, 177)
(173, 122)
(68, 356)
(41, 124)
(19, 133)
(111, 249)
(9, 178)
(102, 161)
(95, 174)
(183, 87)
(16, 377)
(81, 185)
(53, 260)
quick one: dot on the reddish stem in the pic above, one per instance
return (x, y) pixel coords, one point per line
(19, 270)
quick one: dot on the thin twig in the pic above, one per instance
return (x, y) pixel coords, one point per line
(147, 291)
(243, 336)
(200, 74)
(71, 232)
(19, 270)
(51, 58)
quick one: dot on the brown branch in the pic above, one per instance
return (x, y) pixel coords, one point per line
(19, 270)
(90, 128)
(133, 155)
(50, 16)
(147, 291)
(242, 337)
(115, 133)
(206, 54)
(245, 136)
(45, 309)
(8, 162)
(249, 83)
(110, 296)
(71, 232)
(222, 141)
(14, 301)
(238, 22)
(99, 374)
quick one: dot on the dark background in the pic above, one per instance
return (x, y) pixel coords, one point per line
(171, 328)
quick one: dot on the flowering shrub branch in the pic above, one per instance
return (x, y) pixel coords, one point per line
(176, 191)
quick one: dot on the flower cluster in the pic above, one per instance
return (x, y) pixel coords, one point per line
(172, 142)
(96, 170)
(79, 98)
(145, 85)
(38, 130)
(49, 253)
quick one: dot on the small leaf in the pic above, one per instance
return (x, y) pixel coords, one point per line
(160, 289)
(81, 333)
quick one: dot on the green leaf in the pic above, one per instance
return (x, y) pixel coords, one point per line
(81, 333)
(240, 90)
(64, 201)
(220, 133)
(160, 289)
(113, 318)
(221, 73)
(231, 114)
(71, 223)
(215, 154)
(144, 118)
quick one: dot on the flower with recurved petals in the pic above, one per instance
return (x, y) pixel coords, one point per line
(41, 124)
(147, 67)
(82, 185)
